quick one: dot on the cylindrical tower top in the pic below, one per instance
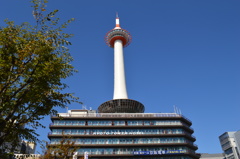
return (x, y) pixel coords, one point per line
(118, 34)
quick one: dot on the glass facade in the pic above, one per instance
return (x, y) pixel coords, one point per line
(117, 131)
(123, 140)
(117, 122)
(105, 151)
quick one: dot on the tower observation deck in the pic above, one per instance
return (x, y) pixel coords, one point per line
(119, 38)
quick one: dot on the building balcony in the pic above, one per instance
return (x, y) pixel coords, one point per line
(120, 135)
(131, 154)
(125, 125)
(131, 145)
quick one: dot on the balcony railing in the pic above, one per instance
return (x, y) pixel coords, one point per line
(121, 152)
(119, 115)
(124, 124)
(116, 144)
(117, 133)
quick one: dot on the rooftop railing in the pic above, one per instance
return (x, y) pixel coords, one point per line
(126, 115)
(119, 115)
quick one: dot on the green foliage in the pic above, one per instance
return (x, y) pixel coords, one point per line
(33, 61)
(64, 150)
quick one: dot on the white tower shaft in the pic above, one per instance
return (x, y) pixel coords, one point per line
(120, 90)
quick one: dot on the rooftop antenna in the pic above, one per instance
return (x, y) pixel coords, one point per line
(180, 112)
(84, 107)
(174, 107)
(177, 110)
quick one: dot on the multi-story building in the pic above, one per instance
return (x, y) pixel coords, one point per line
(126, 135)
(120, 128)
(23, 147)
(237, 141)
(230, 144)
(25, 150)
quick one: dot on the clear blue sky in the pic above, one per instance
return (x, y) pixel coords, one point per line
(184, 53)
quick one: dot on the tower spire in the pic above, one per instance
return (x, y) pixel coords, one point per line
(117, 22)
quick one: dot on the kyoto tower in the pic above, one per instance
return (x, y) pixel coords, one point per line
(117, 39)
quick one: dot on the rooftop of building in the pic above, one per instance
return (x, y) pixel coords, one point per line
(212, 156)
(227, 134)
(92, 114)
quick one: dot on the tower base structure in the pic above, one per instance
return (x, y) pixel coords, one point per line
(121, 106)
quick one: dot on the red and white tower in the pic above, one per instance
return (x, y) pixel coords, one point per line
(119, 38)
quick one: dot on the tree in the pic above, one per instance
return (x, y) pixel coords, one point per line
(64, 150)
(33, 62)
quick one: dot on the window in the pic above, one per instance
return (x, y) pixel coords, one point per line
(119, 122)
(228, 151)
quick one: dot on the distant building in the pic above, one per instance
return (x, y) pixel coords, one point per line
(212, 156)
(24, 147)
(28, 147)
(26, 151)
(237, 140)
(230, 142)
